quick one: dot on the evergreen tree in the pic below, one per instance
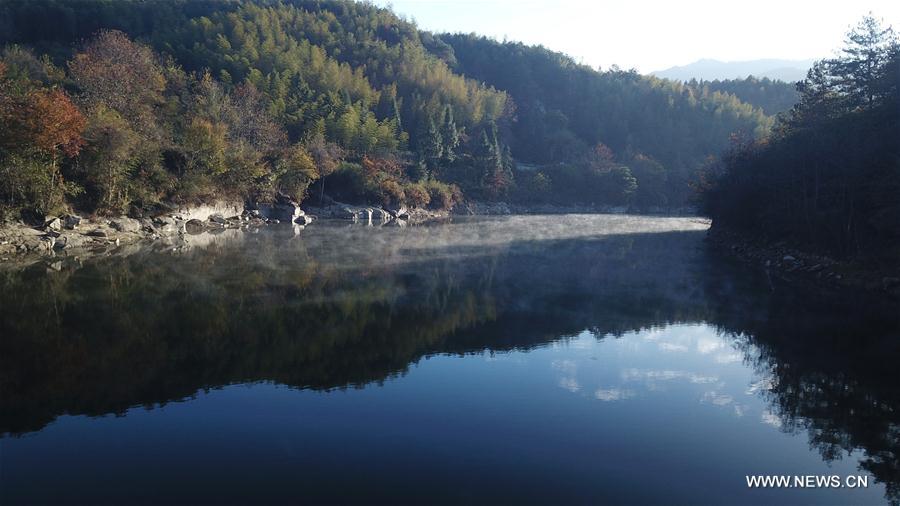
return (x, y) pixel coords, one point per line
(449, 136)
(431, 145)
(865, 53)
(494, 178)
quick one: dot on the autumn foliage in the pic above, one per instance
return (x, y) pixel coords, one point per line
(39, 127)
(52, 123)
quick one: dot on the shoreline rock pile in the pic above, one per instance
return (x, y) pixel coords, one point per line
(74, 234)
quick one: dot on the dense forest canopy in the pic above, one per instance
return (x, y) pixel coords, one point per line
(772, 96)
(829, 175)
(661, 131)
(113, 106)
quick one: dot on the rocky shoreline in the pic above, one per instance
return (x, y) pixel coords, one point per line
(781, 260)
(74, 235)
(71, 235)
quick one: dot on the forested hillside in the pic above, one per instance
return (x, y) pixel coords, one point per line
(828, 178)
(112, 106)
(662, 131)
(772, 96)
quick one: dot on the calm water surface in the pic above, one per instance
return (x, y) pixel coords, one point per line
(567, 359)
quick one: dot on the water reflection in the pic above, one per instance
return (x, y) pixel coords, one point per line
(624, 311)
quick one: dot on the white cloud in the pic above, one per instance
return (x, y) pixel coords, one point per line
(570, 384)
(613, 394)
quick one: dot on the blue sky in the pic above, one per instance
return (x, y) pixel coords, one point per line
(654, 35)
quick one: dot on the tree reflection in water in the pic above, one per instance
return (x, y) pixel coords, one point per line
(340, 307)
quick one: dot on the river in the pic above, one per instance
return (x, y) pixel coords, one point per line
(523, 359)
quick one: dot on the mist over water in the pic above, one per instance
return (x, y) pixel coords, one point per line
(515, 359)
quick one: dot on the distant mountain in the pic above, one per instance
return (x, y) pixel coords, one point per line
(784, 70)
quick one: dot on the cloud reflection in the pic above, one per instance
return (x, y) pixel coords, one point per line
(613, 394)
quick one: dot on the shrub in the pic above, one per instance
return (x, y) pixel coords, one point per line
(417, 195)
(391, 193)
(441, 195)
(348, 183)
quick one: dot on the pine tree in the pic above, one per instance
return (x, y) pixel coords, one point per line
(431, 146)
(449, 136)
(489, 159)
(867, 49)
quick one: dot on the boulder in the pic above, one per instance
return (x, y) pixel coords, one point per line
(202, 212)
(97, 232)
(282, 211)
(304, 220)
(71, 221)
(125, 225)
(53, 223)
(194, 227)
(70, 241)
(218, 218)
(364, 214)
(398, 211)
(380, 215)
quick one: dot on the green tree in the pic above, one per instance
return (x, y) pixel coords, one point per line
(430, 142)
(449, 136)
(866, 51)
(110, 158)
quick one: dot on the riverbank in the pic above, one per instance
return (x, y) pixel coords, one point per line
(178, 227)
(72, 234)
(784, 261)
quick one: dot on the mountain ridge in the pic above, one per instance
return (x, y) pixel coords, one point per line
(709, 69)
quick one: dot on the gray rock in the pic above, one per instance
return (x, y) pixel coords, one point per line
(398, 212)
(97, 232)
(53, 223)
(70, 241)
(283, 209)
(71, 221)
(788, 258)
(162, 221)
(125, 224)
(218, 218)
(204, 211)
(194, 227)
(380, 215)
(304, 220)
